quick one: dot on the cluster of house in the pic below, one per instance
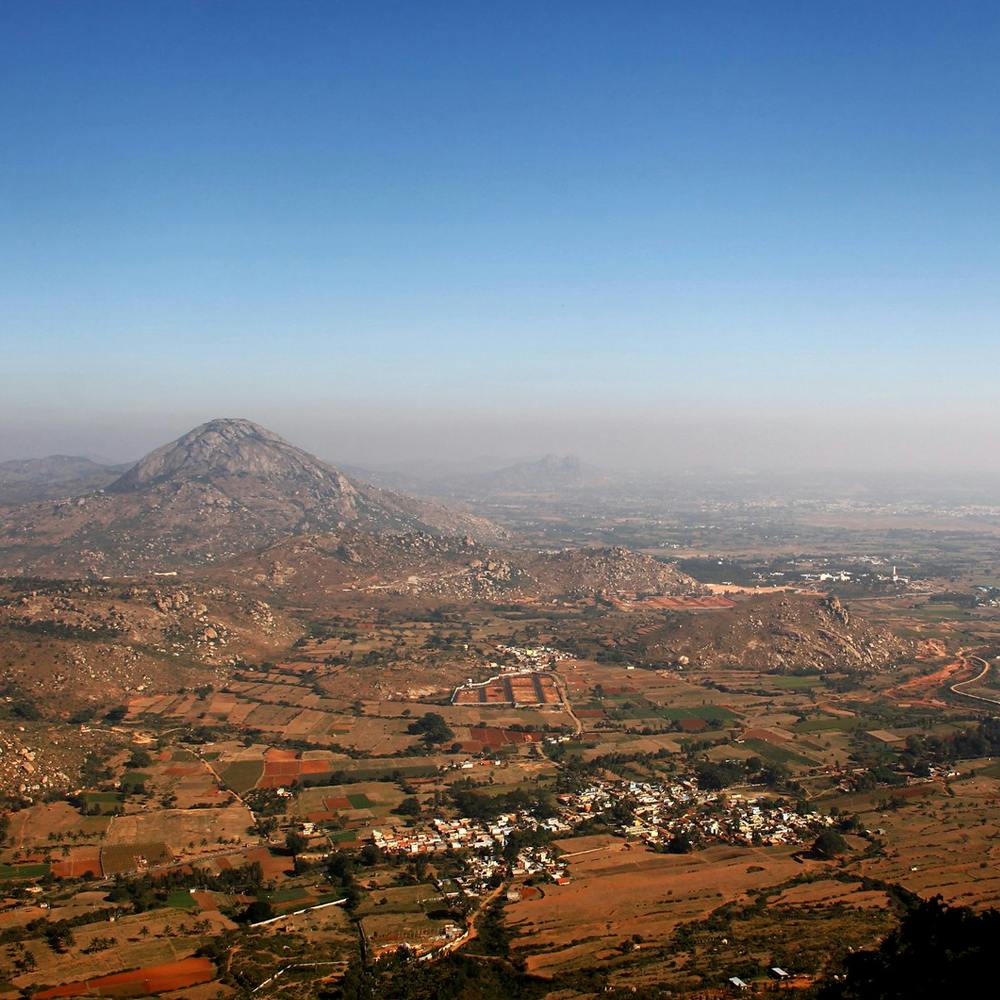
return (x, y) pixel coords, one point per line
(535, 861)
(523, 659)
(462, 834)
(536, 655)
(484, 870)
(662, 812)
(656, 815)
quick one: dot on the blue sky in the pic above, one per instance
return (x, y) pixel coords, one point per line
(385, 228)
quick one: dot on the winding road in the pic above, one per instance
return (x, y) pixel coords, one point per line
(957, 688)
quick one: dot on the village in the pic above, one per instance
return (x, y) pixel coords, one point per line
(672, 817)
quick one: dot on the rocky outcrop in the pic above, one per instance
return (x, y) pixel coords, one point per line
(419, 564)
(782, 632)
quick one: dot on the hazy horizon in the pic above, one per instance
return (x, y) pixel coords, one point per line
(649, 234)
(712, 443)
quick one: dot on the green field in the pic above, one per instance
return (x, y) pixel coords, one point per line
(778, 755)
(793, 682)
(343, 836)
(829, 723)
(181, 899)
(106, 802)
(708, 713)
(292, 894)
(388, 770)
(242, 775)
(12, 872)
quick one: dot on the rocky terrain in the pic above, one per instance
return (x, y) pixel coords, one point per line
(599, 572)
(64, 646)
(308, 569)
(224, 488)
(28, 480)
(781, 632)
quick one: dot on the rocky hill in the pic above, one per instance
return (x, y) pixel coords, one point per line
(774, 632)
(27, 480)
(310, 569)
(226, 487)
(67, 644)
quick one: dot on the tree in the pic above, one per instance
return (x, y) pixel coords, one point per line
(340, 868)
(937, 951)
(139, 758)
(59, 937)
(432, 727)
(715, 776)
(258, 910)
(295, 842)
(680, 844)
(829, 844)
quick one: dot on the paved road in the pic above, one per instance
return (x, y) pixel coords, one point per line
(957, 688)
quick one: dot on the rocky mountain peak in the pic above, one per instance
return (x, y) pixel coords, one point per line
(225, 447)
(222, 489)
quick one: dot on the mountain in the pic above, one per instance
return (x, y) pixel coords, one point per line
(552, 473)
(482, 478)
(226, 487)
(314, 570)
(32, 479)
(782, 632)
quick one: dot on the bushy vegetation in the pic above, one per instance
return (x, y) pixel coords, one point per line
(432, 728)
(937, 951)
(478, 805)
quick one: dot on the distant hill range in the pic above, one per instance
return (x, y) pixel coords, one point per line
(224, 488)
(27, 480)
(550, 474)
(483, 478)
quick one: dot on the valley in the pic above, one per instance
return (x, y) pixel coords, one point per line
(258, 751)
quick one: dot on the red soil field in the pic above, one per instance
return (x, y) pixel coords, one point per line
(492, 737)
(78, 863)
(274, 866)
(917, 689)
(522, 689)
(692, 725)
(283, 770)
(180, 771)
(139, 982)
